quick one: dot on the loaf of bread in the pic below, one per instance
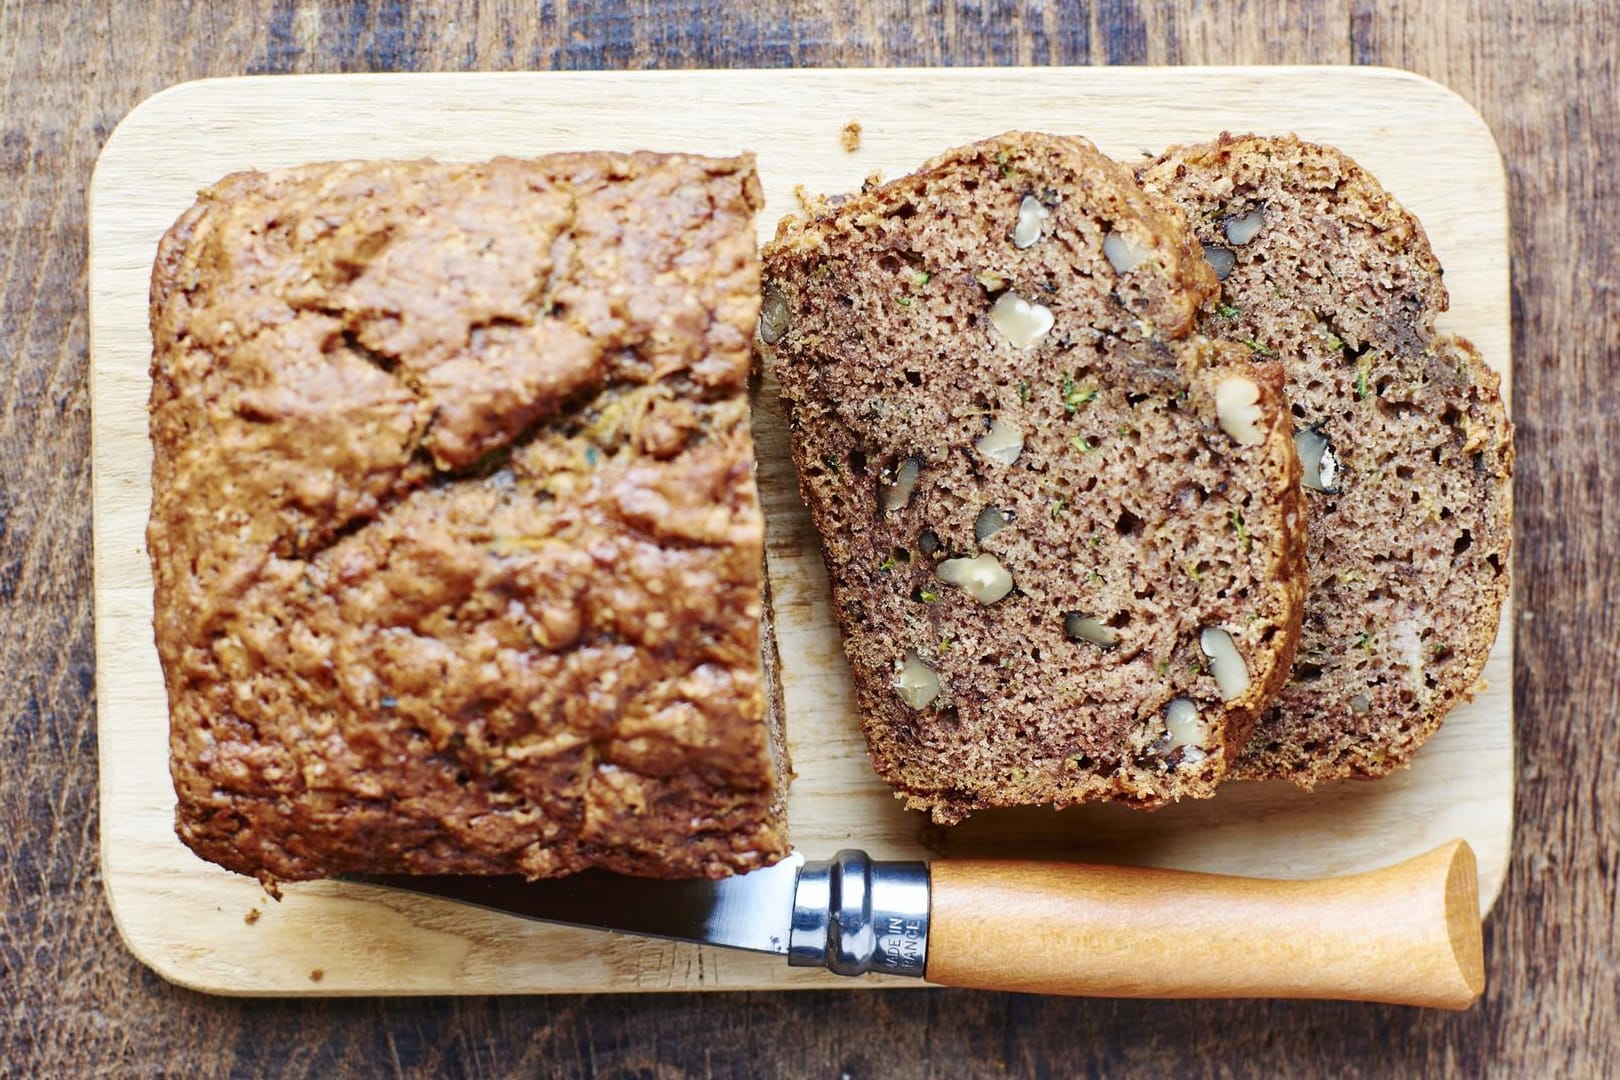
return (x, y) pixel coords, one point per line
(455, 538)
(1407, 446)
(1065, 539)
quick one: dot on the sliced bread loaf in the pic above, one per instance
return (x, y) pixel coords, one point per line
(1407, 446)
(454, 533)
(1065, 538)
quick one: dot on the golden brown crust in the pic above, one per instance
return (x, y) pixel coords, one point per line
(1409, 551)
(1128, 503)
(454, 531)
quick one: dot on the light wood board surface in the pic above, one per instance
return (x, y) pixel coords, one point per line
(186, 918)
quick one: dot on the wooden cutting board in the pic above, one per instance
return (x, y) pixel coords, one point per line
(202, 927)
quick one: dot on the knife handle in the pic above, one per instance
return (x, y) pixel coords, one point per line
(1408, 934)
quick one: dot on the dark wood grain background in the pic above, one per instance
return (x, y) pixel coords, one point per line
(1544, 74)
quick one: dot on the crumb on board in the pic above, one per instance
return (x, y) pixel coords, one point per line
(252, 916)
(317, 975)
(850, 137)
(809, 203)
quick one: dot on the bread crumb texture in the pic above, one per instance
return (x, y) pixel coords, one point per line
(454, 530)
(1030, 511)
(1409, 446)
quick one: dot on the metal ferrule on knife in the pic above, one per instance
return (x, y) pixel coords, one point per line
(853, 915)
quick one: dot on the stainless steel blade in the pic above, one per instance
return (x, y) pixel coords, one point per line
(750, 911)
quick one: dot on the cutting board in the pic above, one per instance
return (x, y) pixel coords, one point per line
(202, 927)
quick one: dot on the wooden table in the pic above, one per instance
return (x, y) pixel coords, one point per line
(1545, 76)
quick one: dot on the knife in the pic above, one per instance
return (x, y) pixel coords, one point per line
(1408, 934)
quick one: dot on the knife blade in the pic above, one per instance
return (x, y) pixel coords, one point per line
(749, 911)
(1406, 934)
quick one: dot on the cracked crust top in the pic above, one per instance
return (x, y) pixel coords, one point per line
(454, 531)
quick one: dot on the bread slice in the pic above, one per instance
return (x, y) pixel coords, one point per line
(454, 529)
(1408, 447)
(1032, 507)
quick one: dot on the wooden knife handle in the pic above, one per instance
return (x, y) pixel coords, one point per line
(1408, 934)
